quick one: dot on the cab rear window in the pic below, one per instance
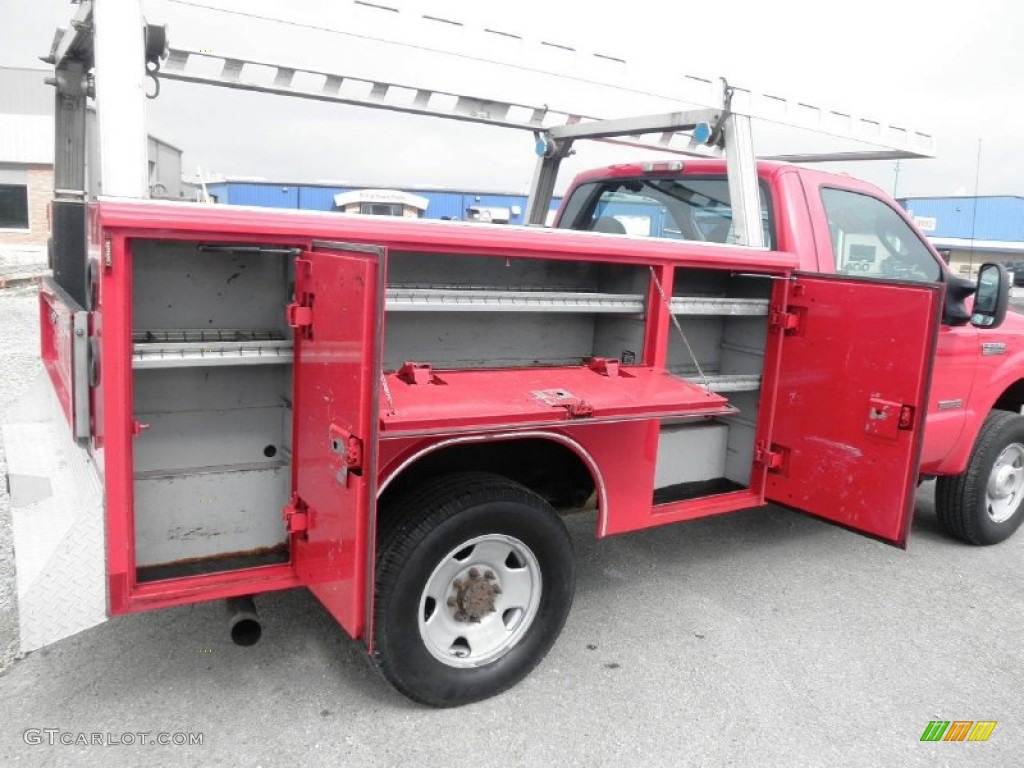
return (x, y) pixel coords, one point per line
(691, 208)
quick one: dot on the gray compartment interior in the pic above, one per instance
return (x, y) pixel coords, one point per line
(213, 371)
(730, 351)
(500, 334)
(212, 465)
(175, 286)
(478, 320)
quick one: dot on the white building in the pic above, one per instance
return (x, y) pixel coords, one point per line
(26, 165)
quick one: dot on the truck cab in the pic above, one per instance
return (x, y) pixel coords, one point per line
(835, 224)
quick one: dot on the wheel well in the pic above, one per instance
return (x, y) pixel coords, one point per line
(1012, 398)
(548, 468)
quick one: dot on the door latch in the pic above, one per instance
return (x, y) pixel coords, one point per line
(887, 418)
(349, 448)
(575, 407)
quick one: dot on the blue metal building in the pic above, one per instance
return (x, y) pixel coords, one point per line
(971, 230)
(998, 219)
(442, 203)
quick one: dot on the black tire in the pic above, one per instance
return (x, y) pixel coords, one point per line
(421, 533)
(962, 502)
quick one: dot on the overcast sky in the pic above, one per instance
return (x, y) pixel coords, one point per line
(951, 69)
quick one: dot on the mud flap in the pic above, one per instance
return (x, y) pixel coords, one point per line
(57, 514)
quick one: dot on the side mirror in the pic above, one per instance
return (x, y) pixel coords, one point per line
(992, 298)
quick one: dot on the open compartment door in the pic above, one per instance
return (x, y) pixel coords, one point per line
(336, 318)
(851, 401)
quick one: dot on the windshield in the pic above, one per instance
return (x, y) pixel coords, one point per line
(691, 208)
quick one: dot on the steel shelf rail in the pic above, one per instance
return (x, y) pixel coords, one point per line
(458, 300)
(720, 382)
(183, 348)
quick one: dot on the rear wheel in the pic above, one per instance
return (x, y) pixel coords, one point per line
(984, 504)
(475, 578)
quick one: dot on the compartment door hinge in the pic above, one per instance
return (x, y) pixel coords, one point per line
(296, 515)
(416, 373)
(787, 322)
(771, 456)
(300, 315)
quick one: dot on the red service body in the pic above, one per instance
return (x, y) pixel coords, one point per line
(357, 428)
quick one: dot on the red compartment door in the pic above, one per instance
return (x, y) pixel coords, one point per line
(336, 320)
(851, 400)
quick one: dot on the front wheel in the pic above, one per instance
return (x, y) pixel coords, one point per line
(475, 578)
(984, 504)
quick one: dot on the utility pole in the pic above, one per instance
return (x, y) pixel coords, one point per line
(974, 207)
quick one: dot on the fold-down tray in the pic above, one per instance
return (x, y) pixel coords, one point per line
(444, 401)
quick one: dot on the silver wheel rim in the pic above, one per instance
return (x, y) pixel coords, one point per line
(1005, 484)
(480, 600)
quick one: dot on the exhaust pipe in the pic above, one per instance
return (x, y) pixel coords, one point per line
(243, 622)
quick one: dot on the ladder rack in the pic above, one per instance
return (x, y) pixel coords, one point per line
(246, 73)
(722, 126)
(699, 133)
(228, 71)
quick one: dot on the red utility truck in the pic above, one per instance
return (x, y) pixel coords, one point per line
(395, 414)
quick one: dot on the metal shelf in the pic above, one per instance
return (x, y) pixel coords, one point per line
(187, 348)
(498, 300)
(195, 335)
(723, 382)
(714, 305)
(482, 300)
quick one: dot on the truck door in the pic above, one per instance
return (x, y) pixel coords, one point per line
(851, 399)
(336, 320)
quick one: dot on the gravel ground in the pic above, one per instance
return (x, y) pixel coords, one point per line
(19, 365)
(758, 638)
